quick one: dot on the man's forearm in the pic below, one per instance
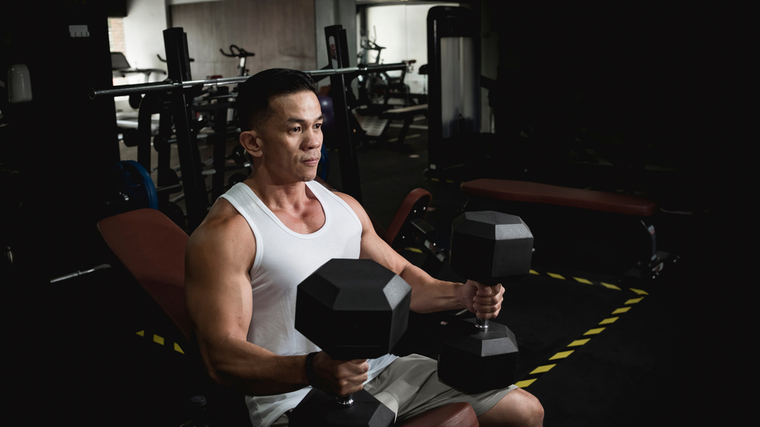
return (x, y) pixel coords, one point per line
(253, 370)
(431, 295)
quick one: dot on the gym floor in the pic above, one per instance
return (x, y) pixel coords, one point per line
(595, 349)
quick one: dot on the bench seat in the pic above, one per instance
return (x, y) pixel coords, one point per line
(407, 114)
(410, 110)
(532, 192)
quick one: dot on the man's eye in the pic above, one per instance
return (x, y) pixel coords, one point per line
(295, 129)
(318, 125)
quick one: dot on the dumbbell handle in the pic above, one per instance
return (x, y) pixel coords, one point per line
(342, 400)
(345, 400)
(481, 323)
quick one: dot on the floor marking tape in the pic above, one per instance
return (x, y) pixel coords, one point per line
(587, 281)
(525, 383)
(448, 181)
(158, 339)
(561, 355)
(579, 342)
(542, 369)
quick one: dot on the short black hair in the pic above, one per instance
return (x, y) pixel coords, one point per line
(255, 93)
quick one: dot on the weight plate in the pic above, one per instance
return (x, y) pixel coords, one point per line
(135, 185)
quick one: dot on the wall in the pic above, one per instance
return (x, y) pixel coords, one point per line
(334, 12)
(143, 36)
(402, 30)
(279, 32)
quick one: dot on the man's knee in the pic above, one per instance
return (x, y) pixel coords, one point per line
(518, 408)
(533, 411)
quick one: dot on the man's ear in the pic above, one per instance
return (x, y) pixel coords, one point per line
(251, 141)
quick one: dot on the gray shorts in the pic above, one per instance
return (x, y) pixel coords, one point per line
(409, 386)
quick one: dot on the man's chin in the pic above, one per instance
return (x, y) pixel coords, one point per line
(310, 177)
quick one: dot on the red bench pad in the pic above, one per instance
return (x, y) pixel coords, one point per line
(533, 192)
(152, 248)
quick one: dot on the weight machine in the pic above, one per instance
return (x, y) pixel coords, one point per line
(454, 74)
(179, 90)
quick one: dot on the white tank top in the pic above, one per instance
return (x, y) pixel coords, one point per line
(283, 259)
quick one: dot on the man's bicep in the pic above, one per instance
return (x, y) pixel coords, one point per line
(219, 306)
(218, 289)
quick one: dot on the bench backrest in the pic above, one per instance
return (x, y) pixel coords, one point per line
(152, 248)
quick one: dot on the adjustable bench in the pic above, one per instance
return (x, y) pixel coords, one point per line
(533, 192)
(152, 248)
(407, 114)
(619, 213)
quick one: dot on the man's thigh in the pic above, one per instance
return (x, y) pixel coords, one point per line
(410, 386)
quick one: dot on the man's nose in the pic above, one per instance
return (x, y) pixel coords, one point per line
(313, 139)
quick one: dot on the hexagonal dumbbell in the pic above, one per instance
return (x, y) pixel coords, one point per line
(352, 309)
(491, 248)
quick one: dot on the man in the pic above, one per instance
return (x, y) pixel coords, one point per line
(267, 234)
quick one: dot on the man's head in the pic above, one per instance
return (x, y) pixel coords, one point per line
(255, 94)
(281, 120)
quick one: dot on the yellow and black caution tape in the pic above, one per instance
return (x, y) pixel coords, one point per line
(587, 336)
(584, 281)
(158, 339)
(448, 181)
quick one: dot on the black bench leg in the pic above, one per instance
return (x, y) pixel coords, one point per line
(400, 146)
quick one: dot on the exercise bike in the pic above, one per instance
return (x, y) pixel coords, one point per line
(242, 55)
(375, 89)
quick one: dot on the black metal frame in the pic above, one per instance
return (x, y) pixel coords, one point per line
(337, 54)
(180, 90)
(445, 21)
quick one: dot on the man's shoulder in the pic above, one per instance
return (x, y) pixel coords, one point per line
(222, 222)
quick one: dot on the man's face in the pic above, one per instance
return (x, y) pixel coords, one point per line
(292, 137)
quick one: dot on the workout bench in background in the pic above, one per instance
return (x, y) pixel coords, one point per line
(152, 248)
(618, 214)
(407, 114)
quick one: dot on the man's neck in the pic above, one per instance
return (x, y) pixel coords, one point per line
(280, 196)
(294, 204)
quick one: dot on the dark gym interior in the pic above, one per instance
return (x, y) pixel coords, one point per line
(656, 102)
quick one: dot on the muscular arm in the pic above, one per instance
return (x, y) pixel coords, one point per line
(428, 294)
(219, 256)
(218, 291)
